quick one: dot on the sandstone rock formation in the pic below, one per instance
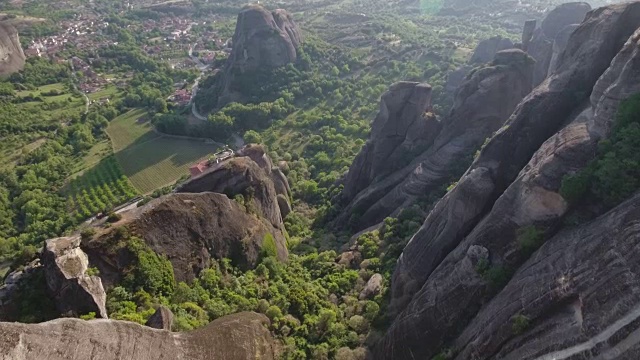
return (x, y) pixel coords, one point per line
(162, 319)
(262, 40)
(239, 337)
(74, 292)
(541, 47)
(576, 295)
(189, 229)
(482, 105)
(402, 129)
(12, 57)
(227, 212)
(250, 173)
(513, 186)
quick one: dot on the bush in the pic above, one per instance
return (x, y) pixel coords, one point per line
(87, 233)
(273, 313)
(89, 316)
(153, 272)
(269, 246)
(575, 186)
(497, 277)
(520, 323)
(359, 324)
(113, 217)
(529, 239)
(93, 271)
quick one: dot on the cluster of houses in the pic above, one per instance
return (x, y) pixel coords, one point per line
(81, 32)
(181, 97)
(90, 81)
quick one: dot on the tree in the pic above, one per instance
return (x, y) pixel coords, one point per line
(252, 137)
(160, 105)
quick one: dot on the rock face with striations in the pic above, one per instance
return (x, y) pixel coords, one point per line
(561, 309)
(202, 221)
(541, 47)
(482, 105)
(403, 126)
(11, 55)
(242, 336)
(262, 40)
(74, 292)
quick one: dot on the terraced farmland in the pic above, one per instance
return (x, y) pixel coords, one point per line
(151, 160)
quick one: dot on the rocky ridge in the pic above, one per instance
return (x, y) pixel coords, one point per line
(406, 171)
(473, 237)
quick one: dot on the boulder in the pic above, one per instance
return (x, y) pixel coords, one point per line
(12, 57)
(262, 40)
(552, 133)
(74, 292)
(239, 337)
(487, 49)
(373, 287)
(481, 107)
(161, 319)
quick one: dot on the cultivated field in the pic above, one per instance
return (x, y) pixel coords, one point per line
(148, 159)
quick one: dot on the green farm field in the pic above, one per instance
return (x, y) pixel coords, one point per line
(151, 160)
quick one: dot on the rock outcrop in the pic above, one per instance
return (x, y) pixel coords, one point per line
(229, 211)
(161, 319)
(403, 128)
(12, 57)
(541, 47)
(482, 105)
(487, 49)
(444, 299)
(190, 230)
(252, 174)
(239, 336)
(65, 267)
(262, 40)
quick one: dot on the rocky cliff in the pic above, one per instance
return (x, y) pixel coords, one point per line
(240, 336)
(558, 302)
(262, 40)
(481, 106)
(11, 55)
(190, 229)
(544, 46)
